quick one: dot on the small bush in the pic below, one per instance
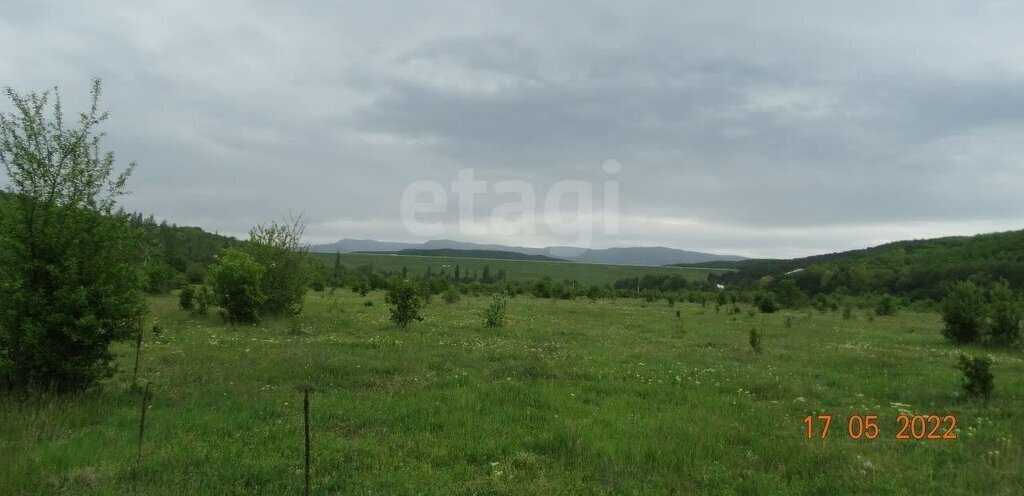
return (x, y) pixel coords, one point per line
(766, 302)
(963, 312)
(1006, 311)
(451, 296)
(187, 299)
(238, 285)
(495, 315)
(977, 376)
(755, 340)
(405, 304)
(203, 301)
(886, 306)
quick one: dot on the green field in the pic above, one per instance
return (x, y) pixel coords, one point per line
(571, 397)
(517, 270)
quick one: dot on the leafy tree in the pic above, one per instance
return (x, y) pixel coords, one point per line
(963, 312)
(237, 281)
(69, 283)
(405, 304)
(1006, 312)
(789, 295)
(279, 249)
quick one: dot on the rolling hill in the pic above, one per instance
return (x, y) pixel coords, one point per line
(917, 269)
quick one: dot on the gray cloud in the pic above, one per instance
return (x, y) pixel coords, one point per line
(767, 129)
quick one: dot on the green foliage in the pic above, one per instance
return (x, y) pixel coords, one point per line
(754, 337)
(789, 295)
(69, 284)
(497, 312)
(279, 249)
(916, 270)
(176, 255)
(964, 313)
(237, 281)
(886, 306)
(451, 295)
(766, 302)
(978, 380)
(203, 300)
(187, 299)
(825, 303)
(405, 304)
(1006, 313)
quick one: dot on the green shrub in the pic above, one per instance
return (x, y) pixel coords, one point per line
(766, 302)
(287, 271)
(203, 300)
(405, 304)
(886, 306)
(496, 314)
(963, 312)
(755, 340)
(195, 274)
(823, 303)
(187, 299)
(451, 296)
(789, 295)
(69, 277)
(978, 381)
(238, 285)
(1006, 313)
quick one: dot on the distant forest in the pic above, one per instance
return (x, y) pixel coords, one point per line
(921, 269)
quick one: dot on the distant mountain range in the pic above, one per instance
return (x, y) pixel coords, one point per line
(641, 255)
(486, 254)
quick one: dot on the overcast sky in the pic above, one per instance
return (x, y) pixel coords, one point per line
(755, 128)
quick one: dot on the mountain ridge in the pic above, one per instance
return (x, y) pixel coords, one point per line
(635, 255)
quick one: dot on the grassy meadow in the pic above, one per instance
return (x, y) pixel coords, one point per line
(571, 397)
(517, 270)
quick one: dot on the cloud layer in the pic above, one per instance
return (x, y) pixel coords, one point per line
(765, 129)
